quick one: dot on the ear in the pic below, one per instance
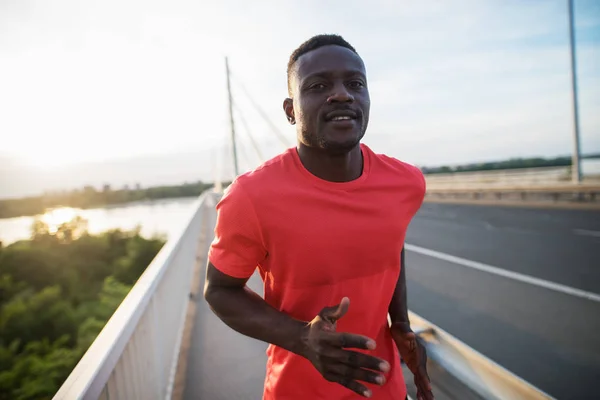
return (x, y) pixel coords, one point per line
(288, 108)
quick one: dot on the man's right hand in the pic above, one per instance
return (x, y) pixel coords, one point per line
(325, 349)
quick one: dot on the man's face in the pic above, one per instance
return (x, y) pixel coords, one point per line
(330, 103)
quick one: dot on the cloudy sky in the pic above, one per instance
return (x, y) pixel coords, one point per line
(135, 90)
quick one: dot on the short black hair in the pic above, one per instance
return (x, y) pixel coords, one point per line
(312, 44)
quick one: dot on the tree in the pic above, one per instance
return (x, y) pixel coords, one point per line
(57, 290)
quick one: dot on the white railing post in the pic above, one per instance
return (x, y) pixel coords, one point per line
(157, 351)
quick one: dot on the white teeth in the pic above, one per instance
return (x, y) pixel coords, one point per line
(342, 118)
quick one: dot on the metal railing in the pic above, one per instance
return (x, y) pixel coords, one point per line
(553, 193)
(526, 176)
(475, 371)
(135, 356)
(529, 177)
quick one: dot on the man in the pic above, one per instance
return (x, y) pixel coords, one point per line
(325, 224)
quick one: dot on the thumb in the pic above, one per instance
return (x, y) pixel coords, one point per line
(332, 314)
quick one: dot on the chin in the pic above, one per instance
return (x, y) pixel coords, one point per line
(335, 142)
(340, 147)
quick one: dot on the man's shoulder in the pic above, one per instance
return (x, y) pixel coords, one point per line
(263, 177)
(395, 166)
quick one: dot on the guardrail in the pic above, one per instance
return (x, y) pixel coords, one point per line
(516, 176)
(505, 176)
(477, 372)
(135, 356)
(582, 193)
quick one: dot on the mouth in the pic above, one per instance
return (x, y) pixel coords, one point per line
(341, 116)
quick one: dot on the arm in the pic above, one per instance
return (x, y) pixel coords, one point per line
(398, 308)
(238, 247)
(409, 347)
(246, 312)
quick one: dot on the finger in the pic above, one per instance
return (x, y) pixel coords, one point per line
(423, 375)
(424, 385)
(411, 360)
(349, 383)
(425, 395)
(425, 381)
(356, 374)
(422, 379)
(356, 359)
(332, 314)
(350, 340)
(417, 360)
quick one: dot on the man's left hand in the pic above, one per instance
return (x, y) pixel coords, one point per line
(414, 355)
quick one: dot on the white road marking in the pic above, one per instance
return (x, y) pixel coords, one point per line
(586, 232)
(505, 273)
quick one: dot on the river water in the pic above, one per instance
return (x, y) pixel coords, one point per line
(590, 166)
(164, 217)
(156, 217)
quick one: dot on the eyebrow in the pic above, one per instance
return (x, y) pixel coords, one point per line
(327, 74)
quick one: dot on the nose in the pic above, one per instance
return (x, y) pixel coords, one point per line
(340, 94)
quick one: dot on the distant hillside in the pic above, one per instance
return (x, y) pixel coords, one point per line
(590, 156)
(513, 163)
(89, 197)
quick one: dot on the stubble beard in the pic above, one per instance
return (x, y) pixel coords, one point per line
(320, 142)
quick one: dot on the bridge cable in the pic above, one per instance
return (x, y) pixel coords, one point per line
(248, 132)
(275, 130)
(242, 147)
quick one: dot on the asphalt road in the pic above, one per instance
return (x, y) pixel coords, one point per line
(549, 338)
(561, 246)
(222, 364)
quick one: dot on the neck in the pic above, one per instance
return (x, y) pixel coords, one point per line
(332, 167)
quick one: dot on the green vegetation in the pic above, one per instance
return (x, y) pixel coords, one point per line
(507, 164)
(56, 293)
(89, 197)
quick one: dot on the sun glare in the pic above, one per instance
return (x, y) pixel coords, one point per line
(58, 216)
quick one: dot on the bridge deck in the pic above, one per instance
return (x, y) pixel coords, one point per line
(223, 364)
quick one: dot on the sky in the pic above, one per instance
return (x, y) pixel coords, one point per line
(135, 90)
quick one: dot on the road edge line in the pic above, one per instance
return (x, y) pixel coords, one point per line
(505, 273)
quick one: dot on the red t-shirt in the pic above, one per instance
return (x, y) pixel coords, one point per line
(314, 242)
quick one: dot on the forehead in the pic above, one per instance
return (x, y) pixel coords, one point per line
(330, 59)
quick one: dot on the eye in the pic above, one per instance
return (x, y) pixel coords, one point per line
(317, 86)
(356, 84)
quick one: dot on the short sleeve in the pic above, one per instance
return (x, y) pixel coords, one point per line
(420, 188)
(237, 247)
(422, 182)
